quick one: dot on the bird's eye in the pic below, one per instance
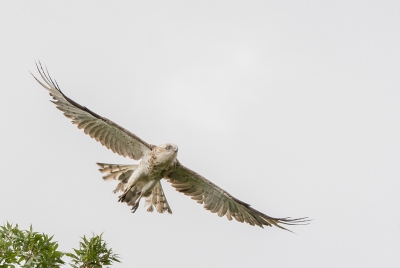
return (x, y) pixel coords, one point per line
(168, 147)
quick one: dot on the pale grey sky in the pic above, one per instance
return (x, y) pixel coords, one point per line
(291, 106)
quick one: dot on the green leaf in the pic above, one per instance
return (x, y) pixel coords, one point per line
(27, 248)
(92, 252)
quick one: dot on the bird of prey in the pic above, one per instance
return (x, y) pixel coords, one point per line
(157, 162)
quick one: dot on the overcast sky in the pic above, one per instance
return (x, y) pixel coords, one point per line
(291, 106)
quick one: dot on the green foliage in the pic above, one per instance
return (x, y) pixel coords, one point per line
(27, 248)
(92, 253)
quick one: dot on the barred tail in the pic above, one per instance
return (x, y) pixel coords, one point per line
(117, 172)
(122, 174)
(157, 200)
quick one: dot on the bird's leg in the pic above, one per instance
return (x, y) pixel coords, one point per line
(135, 206)
(148, 187)
(131, 183)
(122, 197)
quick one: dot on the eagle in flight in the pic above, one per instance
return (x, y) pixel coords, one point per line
(157, 162)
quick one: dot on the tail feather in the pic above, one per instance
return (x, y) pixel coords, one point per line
(157, 200)
(122, 174)
(117, 172)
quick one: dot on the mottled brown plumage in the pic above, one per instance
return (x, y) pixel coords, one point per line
(157, 162)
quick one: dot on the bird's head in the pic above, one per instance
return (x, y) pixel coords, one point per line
(168, 151)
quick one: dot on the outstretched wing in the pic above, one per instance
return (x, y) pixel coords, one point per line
(221, 202)
(105, 131)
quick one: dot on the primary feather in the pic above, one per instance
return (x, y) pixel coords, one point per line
(157, 162)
